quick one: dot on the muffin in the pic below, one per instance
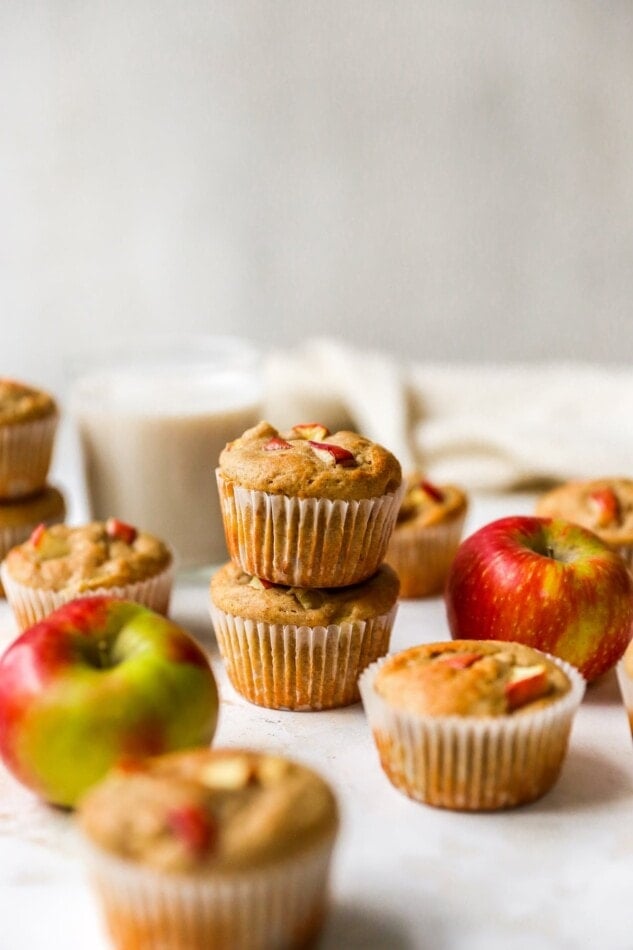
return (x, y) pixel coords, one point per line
(211, 848)
(426, 536)
(18, 518)
(60, 563)
(605, 506)
(28, 419)
(300, 648)
(307, 508)
(471, 724)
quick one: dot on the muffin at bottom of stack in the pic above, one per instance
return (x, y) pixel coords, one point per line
(300, 648)
(18, 518)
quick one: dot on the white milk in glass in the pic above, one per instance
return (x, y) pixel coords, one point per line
(151, 440)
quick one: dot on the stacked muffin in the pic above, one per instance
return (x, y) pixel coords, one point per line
(28, 420)
(306, 603)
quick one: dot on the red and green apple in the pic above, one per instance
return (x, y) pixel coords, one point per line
(98, 682)
(547, 583)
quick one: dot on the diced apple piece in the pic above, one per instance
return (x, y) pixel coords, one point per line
(332, 454)
(260, 583)
(460, 661)
(432, 491)
(526, 684)
(48, 545)
(275, 445)
(120, 531)
(231, 773)
(309, 598)
(194, 826)
(311, 431)
(605, 506)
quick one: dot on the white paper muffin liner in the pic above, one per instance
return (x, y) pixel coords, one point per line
(422, 556)
(306, 542)
(281, 906)
(472, 763)
(285, 666)
(30, 604)
(625, 682)
(626, 552)
(25, 456)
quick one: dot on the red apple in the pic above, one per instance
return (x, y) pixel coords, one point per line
(546, 583)
(526, 684)
(311, 430)
(95, 683)
(274, 445)
(432, 491)
(605, 505)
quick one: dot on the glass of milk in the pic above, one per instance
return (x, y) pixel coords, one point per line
(153, 416)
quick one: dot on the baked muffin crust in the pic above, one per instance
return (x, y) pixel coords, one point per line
(604, 506)
(468, 678)
(22, 403)
(48, 505)
(241, 595)
(210, 810)
(425, 504)
(302, 471)
(84, 558)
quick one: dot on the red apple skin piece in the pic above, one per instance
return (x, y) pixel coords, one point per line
(606, 506)
(340, 455)
(546, 583)
(121, 531)
(460, 661)
(527, 689)
(65, 719)
(194, 826)
(432, 491)
(37, 534)
(275, 445)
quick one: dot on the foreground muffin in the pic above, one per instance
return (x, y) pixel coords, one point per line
(60, 563)
(308, 508)
(18, 518)
(426, 536)
(211, 848)
(471, 724)
(28, 420)
(300, 648)
(604, 505)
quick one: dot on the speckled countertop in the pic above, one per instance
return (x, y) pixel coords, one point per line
(551, 876)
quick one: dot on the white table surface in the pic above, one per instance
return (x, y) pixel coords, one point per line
(555, 874)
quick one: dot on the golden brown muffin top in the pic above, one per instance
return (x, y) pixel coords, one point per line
(47, 505)
(252, 598)
(78, 559)
(309, 462)
(426, 504)
(604, 505)
(22, 403)
(470, 678)
(209, 810)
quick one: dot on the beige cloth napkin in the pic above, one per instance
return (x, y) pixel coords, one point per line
(493, 427)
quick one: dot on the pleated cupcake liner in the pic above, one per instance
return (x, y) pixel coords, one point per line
(472, 763)
(625, 682)
(285, 666)
(422, 557)
(30, 604)
(306, 542)
(269, 908)
(25, 456)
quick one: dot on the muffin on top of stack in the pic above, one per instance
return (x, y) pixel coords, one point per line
(306, 602)
(28, 420)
